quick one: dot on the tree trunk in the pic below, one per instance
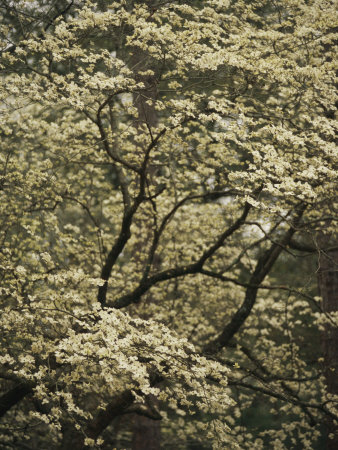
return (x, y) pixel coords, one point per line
(146, 434)
(328, 286)
(146, 431)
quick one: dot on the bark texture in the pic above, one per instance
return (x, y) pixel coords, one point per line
(328, 286)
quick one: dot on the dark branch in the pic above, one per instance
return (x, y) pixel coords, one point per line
(157, 234)
(59, 14)
(13, 396)
(263, 267)
(116, 407)
(125, 232)
(308, 248)
(284, 398)
(270, 287)
(12, 48)
(194, 268)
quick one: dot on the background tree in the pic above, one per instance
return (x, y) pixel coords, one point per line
(166, 170)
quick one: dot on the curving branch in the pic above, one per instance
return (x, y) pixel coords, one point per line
(289, 399)
(263, 267)
(269, 287)
(167, 218)
(125, 232)
(11, 48)
(309, 248)
(194, 268)
(13, 396)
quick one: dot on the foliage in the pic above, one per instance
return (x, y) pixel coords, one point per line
(163, 164)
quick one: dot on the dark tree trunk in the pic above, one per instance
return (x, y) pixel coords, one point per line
(146, 434)
(328, 286)
(146, 431)
(13, 396)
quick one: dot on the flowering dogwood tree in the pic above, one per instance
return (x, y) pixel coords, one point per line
(168, 193)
